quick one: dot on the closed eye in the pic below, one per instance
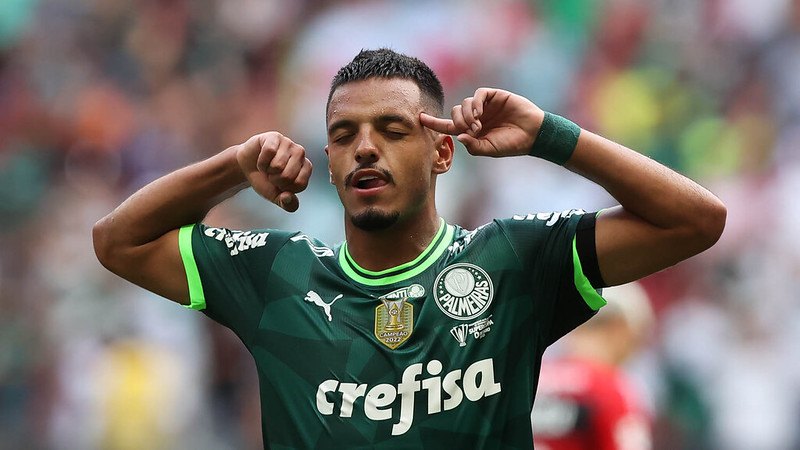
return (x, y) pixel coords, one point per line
(341, 139)
(395, 135)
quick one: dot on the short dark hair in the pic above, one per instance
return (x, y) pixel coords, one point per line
(387, 63)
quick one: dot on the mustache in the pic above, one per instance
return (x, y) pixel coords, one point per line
(384, 172)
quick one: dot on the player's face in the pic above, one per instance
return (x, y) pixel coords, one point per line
(383, 162)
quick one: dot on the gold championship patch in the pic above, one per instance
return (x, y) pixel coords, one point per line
(394, 317)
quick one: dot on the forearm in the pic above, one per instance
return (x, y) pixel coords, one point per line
(642, 186)
(179, 198)
(664, 217)
(140, 239)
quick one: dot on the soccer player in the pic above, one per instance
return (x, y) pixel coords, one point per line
(585, 400)
(412, 333)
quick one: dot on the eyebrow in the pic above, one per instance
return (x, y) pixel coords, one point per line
(383, 119)
(342, 123)
(395, 118)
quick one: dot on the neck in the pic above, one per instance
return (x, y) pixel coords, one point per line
(398, 244)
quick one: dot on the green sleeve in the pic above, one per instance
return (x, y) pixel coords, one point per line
(545, 246)
(228, 272)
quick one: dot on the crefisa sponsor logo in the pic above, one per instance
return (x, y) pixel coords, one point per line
(550, 218)
(384, 401)
(237, 241)
(463, 291)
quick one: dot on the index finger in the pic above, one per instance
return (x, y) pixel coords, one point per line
(436, 124)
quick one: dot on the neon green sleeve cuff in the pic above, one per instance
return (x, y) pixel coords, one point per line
(594, 300)
(196, 295)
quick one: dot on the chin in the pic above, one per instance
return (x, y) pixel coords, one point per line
(374, 219)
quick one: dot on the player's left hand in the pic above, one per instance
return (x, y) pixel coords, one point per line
(492, 122)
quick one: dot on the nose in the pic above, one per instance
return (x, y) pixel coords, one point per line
(366, 151)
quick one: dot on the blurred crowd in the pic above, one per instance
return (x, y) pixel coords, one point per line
(99, 97)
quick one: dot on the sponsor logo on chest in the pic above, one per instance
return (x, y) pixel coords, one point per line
(382, 401)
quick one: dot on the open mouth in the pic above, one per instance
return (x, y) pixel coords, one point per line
(369, 182)
(365, 179)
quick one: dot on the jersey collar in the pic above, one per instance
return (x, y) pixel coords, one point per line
(435, 249)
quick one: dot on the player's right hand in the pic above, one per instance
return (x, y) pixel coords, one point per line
(276, 167)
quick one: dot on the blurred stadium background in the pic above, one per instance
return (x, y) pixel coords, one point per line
(98, 97)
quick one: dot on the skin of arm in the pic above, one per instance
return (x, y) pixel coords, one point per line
(662, 217)
(139, 239)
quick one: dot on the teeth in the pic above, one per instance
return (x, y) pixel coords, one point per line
(367, 178)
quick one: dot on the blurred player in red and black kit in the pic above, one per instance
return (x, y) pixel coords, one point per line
(585, 399)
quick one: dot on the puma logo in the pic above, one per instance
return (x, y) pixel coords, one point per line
(314, 298)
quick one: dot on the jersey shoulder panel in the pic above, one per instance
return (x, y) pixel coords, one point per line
(545, 244)
(232, 272)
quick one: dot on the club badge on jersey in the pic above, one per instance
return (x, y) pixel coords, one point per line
(463, 291)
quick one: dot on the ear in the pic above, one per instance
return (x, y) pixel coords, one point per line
(445, 150)
(330, 171)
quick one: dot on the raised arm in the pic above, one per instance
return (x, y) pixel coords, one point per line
(663, 217)
(139, 239)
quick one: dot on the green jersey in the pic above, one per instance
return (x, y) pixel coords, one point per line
(441, 352)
